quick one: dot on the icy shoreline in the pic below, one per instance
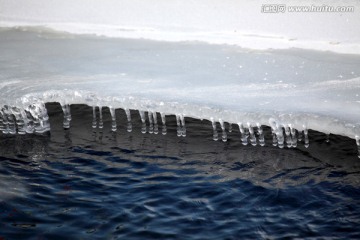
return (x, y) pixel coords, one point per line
(290, 90)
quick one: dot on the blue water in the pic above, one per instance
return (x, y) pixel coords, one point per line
(90, 184)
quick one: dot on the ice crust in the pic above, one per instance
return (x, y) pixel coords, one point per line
(290, 90)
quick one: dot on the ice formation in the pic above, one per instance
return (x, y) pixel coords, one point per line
(160, 72)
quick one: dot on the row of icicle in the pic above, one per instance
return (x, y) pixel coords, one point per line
(281, 135)
(34, 119)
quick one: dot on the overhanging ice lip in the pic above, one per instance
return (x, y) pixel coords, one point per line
(294, 88)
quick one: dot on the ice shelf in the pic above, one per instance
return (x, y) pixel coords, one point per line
(290, 90)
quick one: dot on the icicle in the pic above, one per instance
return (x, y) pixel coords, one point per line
(215, 133)
(183, 127)
(306, 137)
(244, 134)
(39, 118)
(293, 136)
(43, 117)
(163, 120)
(128, 116)
(156, 127)
(94, 122)
(261, 135)
(101, 123)
(230, 127)
(20, 120)
(274, 140)
(178, 128)
(6, 123)
(67, 115)
(280, 137)
(11, 122)
(358, 145)
(143, 121)
(327, 137)
(2, 126)
(30, 127)
(252, 135)
(288, 137)
(224, 135)
(151, 125)
(113, 119)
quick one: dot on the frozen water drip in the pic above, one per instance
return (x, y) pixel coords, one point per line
(39, 122)
(252, 134)
(215, 133)
(128, 116)
(183, 127)
(306, 138)
(113, 119)
(244, 134)
(163, 120)
(151, 125)
(67, 115)
(143, 121)
(288, 137)
(224, 135)
(261, 135)
(294, 139)
(156, 127)
(94, 122)
(101, 123)
(180, 122)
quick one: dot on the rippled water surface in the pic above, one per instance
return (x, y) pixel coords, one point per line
(90, 184)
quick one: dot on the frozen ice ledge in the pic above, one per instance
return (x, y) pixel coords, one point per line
(289, 90)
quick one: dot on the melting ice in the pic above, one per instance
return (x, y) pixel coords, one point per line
(289, 90)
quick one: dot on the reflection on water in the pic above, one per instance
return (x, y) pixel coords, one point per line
(88, 184)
